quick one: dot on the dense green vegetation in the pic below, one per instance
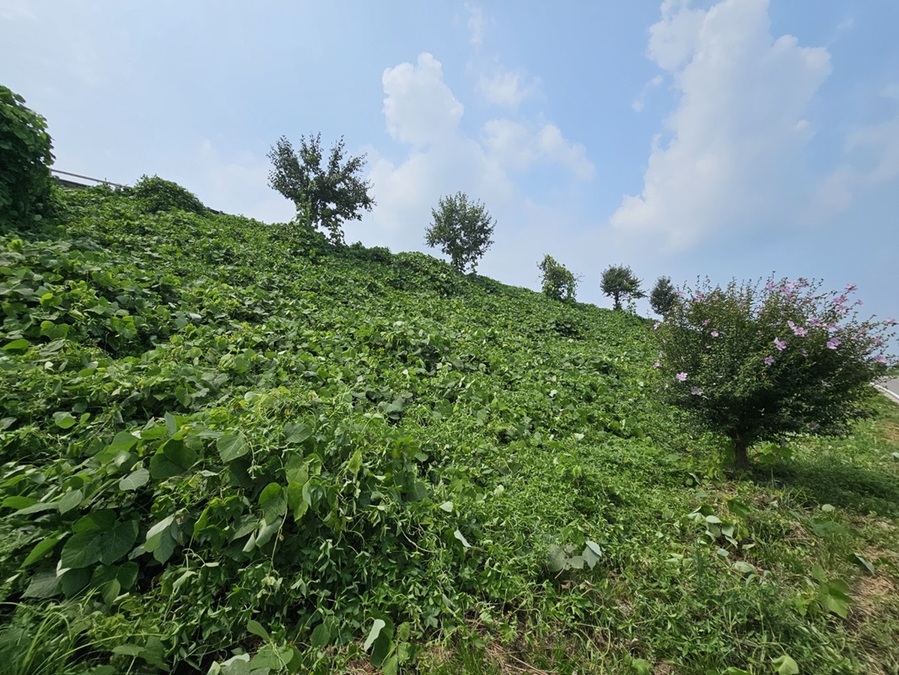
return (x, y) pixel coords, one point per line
(223, 441)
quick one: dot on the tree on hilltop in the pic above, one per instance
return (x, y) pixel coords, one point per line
(618, 281)
(558, 281)
(663, 296)
(462, 228)
(325, 195)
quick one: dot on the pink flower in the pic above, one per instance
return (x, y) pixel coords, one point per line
(696, 391)
(890, 321)
(715, 333)
(850, 288)
(833, 343)
(797, 330)
(780, 344)
(880, 358)
(656, 325)
(681, 377)
(769, 360)
(657, 364)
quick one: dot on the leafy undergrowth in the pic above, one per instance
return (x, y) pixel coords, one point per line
(231, 447)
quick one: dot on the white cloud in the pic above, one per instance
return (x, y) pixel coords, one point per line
(734, 158)
(475, 24)
(418, 106)
(640, 102)
(507, 88)
(441, 158)
(519, 147)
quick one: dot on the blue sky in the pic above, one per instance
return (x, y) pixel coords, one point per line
(732, 139)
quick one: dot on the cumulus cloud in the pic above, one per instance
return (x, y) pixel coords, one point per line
(731, 153)
(418, 106)
(507, 88)
(519, 146)
(423, 114)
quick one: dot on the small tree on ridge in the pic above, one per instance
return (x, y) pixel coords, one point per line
(325, 196)
(663, 296)
(558, 281)
(462, 228)
(618, 281)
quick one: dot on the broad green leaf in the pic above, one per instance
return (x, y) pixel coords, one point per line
(231, 446)
(296, 432)
(154, 534)
(118, 542)
(178, 452)
(461, 537)
(42, 548)
(273, 502)
(81, 550)
(161, 468)
(17, 345)
(99, 520)
(64, 420)
(43, 585)
(256, 629)
(744, 567)
(297, 470)
(74, 581)
(136, 479)
(19, 502)
(591, 554)
(447, 506)
(738, 508)
(70, 500)
(834, 597)
(321, 636)
(784, 665)
(126, 574)
(122, 442)
(355, 462)
(376, 628)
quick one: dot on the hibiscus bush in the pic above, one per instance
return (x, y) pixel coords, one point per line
(759, 363)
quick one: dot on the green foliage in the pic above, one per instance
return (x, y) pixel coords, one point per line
(325, 195)
(26, 149)
(229, 447)
(558, 281)
(463, 230)
(618, 281)
(758, 364)
(663, 296)
(156, 194)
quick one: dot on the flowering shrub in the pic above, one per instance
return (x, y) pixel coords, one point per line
(759, 363)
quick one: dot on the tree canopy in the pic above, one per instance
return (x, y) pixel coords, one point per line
(619, 282)
(325, 194)
(663, 296)
(462, 228)
(559, 283)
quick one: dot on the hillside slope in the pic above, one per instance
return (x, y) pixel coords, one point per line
(222, 437)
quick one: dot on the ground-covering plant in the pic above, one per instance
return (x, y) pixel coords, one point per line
(229, 447)
(762, 363)
(157, 194)
(27, 155)
(558, 282)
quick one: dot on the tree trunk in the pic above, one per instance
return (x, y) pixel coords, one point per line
(741, 454)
